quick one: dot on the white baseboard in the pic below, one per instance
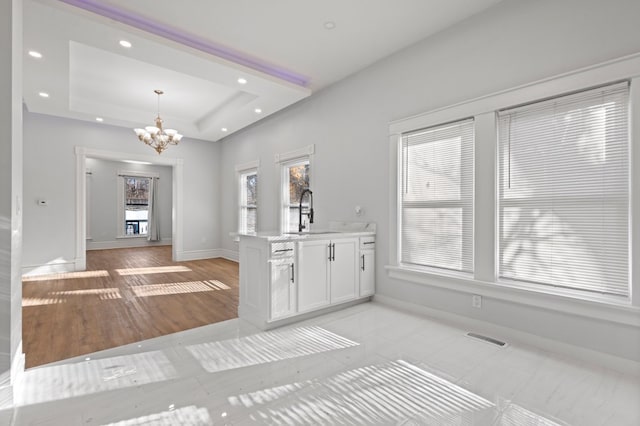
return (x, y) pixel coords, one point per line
(198, 254)
(232, 255)
(208, 254)
(49, 268)
(510, 335)
(126, 243)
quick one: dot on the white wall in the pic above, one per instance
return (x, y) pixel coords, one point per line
(102, 207)
(514, 43)
(10, 193)
(49, 172)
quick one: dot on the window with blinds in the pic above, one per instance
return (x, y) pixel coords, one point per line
(437, 197)
(564, 191)
(248, 201)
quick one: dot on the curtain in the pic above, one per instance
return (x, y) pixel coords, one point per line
(154, 217)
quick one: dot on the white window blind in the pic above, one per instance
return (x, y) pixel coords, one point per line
(437, 197)
(248, 201)
(564, 191)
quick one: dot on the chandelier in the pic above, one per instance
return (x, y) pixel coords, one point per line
(157, 137)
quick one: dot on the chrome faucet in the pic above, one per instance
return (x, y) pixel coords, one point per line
(309, 213)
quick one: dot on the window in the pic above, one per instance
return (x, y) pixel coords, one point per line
(295, 180)
(436, 221)
(248, 201)
(136, 206)
(134, 196)
(563, 216)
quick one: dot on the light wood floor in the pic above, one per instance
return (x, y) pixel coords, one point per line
(126, 295)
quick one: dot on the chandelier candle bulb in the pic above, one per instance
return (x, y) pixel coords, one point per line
(157, 137)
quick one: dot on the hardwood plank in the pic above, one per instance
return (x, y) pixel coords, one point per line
(66, 315)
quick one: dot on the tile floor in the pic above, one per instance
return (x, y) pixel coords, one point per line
(368, 364)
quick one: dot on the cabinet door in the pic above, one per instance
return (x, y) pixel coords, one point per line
(367, 272)
(344, 269)
(313, 275)
(282, 288)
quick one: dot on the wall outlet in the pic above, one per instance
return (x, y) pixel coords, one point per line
(476, 301)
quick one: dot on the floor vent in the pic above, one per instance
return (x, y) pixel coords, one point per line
(487, 339)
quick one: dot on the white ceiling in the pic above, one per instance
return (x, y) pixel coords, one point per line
(196, 50)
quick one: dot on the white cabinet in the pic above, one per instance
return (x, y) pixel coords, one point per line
(344, 270)
(283, 288)
(328, 272)
(367, 272)
(267, 280)
(313, 275)
(283, 277)
(367, 266)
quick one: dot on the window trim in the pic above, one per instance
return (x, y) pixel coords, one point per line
(244, 169)
(88, 174)
(121, 234)
(283, 162)
(484, 280)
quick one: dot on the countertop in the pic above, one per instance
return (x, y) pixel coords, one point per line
(336, 229)
(312, 235)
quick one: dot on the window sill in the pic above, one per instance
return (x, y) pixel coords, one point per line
(612, 309)
(126, 237)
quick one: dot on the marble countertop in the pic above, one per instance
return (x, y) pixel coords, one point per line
(335, 230)
(313, 235)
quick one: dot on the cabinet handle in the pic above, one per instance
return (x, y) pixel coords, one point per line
(292, 273)
(282, 250)
(369, 242)
(329, 252)
(363, 262)
(334, 251)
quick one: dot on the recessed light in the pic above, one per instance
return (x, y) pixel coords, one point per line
(329, 25)
(224, 129)
(100, 119)
(258, 110)
(35, 54)
(125, 43)
(43, 94)
(242, 80)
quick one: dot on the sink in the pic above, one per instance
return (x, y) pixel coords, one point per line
(311, 232)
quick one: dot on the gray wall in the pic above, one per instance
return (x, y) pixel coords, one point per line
(513, 43)
(49, 170)
(102, 207)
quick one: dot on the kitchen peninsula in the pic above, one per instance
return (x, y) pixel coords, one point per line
(292, 276)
